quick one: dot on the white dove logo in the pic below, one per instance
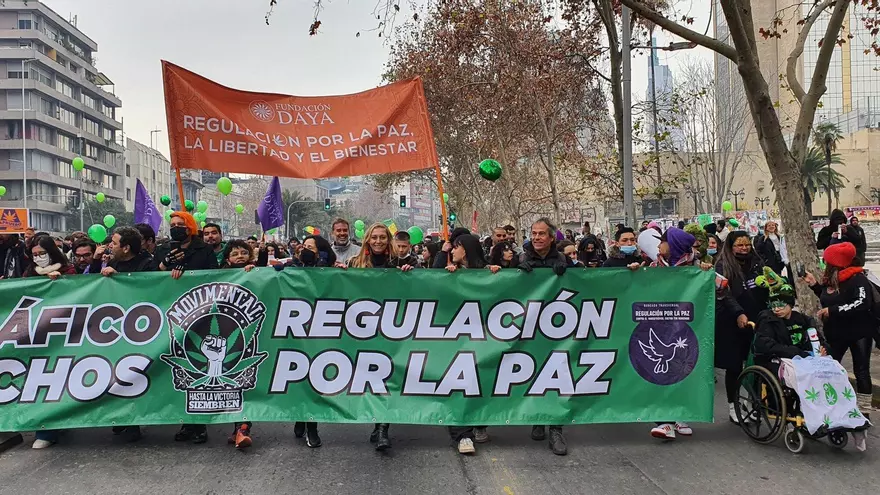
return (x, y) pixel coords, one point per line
(660, 352)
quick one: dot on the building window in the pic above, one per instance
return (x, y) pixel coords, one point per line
(62, 87)
(89, 101)
(90, 126)
(25, 21)
(154, 175)
(128, 170)
(109, 134)
(66, 116)
(127, 194)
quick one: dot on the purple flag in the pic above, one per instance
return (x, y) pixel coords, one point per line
(145, 210)
(271, 209)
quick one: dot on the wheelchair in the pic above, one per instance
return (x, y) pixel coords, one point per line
(768, 410)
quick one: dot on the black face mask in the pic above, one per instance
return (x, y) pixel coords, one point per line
(308, 258)
(179, 234)
(238, 265)
(742, 256)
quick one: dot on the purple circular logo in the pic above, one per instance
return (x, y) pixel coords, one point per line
(663, 352)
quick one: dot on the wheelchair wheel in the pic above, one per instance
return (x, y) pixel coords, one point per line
(838, 439)
(794, 439)
(762, 406)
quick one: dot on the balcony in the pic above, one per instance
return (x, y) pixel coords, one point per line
(15, 144)
(34, 34)
(15, 84)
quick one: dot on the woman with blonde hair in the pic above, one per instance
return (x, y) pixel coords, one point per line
(376, 253)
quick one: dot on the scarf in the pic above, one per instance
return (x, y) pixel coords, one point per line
(49, 269)
(847, 273)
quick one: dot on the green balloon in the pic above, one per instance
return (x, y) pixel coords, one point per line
(359, 233)
(100, 197)
(2, 190)
(490, 170)
(726, 206)
(189, 205)
(239, 208)
(416, 234)
(202, 206)
(359, 225)
(202, 224)
(733, 223)
(199, 216)
(168, 215)
(78, 164)
(97, 233)
(445, 198)
(272, 231)
(165, 200)
(109, 221)
(224, 185)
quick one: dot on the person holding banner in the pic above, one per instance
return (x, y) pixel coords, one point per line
(376, 253)
(342, 245)
(126, 255)
(213, 236)
(541, 252)
(48, 260)
(186, 251)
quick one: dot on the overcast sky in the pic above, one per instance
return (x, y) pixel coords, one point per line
(228, 41)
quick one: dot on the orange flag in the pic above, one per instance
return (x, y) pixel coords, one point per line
(212, 127)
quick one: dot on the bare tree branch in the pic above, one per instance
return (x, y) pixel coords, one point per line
(791, 63)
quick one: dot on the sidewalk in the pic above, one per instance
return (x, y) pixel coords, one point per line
(875, 373)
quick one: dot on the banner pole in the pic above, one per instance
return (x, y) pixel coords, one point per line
(445, 230)
(180, 190)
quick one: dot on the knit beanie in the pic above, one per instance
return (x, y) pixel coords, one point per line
(839, 255)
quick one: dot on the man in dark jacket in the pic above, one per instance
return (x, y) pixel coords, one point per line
(186, 251)
(84, 259)
(127, 255)
(834, 232)
(541, 252)
(625, 253)
(859, 241)
(12, 256)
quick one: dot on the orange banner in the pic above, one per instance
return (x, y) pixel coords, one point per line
(212, 127)
(13, 220)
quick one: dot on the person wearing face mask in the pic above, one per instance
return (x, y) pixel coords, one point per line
(186, 251)
(48, 260)
(316, 252)
(376, 253)
(569, 250)
(624, 253)
(12, 256)
(745, 300)
(712, 245)
(503, 255)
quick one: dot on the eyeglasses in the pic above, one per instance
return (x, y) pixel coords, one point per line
(82, 256)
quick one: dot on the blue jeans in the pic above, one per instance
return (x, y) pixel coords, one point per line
(50, 435)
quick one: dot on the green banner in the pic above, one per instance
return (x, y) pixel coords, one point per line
(357, 346)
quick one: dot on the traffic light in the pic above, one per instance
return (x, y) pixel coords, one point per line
(326, 204)
(403, 200)
(452, 217)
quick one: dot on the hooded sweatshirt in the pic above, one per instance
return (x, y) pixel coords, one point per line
(824, 239)
(345, 252)
(681, 247)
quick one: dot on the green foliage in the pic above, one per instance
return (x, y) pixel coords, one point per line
(827, 131)
(815, 173)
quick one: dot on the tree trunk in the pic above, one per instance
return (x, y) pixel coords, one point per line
(617, 101)
(786, 176)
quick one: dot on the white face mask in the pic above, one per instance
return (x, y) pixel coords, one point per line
(42, 260)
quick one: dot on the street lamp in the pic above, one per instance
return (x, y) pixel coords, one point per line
(154, 131)
(765, 199)
(24, 135)
(736, 195)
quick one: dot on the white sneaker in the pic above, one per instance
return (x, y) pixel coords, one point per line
(466, 446)
(732, 410)
(664, 431)
(683, 429)
(42, 444)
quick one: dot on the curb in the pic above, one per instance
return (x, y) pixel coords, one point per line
(875, 389)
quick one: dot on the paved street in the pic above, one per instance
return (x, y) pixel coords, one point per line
(613, 459)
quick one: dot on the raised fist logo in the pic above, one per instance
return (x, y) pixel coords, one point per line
(214, 349)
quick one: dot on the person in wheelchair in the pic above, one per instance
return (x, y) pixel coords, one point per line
(783, 333)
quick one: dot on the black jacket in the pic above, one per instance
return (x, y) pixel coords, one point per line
(823, 240)
(849, 310)
(531, 259)
(778, 338)
(13, 260)
(767, 251)
(616, 259)
(143, 262)
(749, 296)
(198, 256)
(857, 237)
(411, 260)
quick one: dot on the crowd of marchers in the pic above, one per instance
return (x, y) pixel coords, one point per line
(749, 319)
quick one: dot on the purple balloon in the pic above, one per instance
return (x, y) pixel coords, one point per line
(559, 235)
